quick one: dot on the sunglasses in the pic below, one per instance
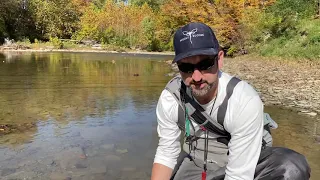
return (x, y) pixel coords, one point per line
(205, 64)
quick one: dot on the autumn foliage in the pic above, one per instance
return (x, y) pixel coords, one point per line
(150, 24)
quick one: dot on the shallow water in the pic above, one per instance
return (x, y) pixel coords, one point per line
(92, 116)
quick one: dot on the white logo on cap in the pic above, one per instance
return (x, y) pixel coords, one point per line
(190, 34)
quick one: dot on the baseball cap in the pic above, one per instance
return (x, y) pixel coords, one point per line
(194, 39)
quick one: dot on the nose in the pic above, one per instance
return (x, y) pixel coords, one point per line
(197, 75)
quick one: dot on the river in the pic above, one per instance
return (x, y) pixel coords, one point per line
(92, 116)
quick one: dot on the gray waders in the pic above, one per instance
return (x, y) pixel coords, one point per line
(275, 163)
(271, 162)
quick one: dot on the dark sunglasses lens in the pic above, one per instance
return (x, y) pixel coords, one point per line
(206, 64)
(203, 65)
(186, 68)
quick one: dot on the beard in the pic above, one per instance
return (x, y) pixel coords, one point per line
(197, 92)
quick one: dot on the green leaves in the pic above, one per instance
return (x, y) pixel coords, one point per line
(55, 18)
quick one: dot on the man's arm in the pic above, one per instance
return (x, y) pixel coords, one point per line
(168, 148)
(246, 129)
(160, 172)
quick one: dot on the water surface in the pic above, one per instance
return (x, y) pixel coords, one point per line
(92, 116)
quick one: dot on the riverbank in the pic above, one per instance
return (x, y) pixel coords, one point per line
(4, 50)
(285, 83)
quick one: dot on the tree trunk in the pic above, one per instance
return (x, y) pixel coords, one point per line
(319, 9)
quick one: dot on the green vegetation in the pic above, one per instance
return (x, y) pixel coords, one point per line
(269, 27)
(286, 29)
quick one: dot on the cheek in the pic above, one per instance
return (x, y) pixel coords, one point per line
(186, 79)
(211, 78)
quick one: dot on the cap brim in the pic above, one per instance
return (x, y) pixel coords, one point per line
(196, 52)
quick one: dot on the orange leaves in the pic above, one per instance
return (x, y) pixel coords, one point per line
(221, 17)
(224, 16)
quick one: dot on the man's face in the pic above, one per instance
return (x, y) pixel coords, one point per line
(200, 73)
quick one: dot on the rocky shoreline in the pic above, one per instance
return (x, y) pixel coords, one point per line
(285, 83)
(89, 50)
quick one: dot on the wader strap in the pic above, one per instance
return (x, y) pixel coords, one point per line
(213, 126)
(200, 116)
(223, 107)
(181, 121)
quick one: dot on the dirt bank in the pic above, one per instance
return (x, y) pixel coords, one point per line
(292, 84)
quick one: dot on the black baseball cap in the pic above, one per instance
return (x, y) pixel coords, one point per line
(194, 39)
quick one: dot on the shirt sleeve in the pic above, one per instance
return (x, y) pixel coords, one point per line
(246, 129)
(168, 148)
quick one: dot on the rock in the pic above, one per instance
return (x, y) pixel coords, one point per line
(312, 114)
(80, 166)
(14, 128)
(139, 175)
(250, 76)
(46, 161)
(317, 138)
(128, 169)
(171, 74)
(7, 171)
(121, 151)
(59, 176)
(108, 146)
(68, 158)
(304, 111)
(98, 168)
(90, 152)
(112, 158)
(23, 175)
(27, 162)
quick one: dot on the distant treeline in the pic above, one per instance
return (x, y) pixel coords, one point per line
(265, 26)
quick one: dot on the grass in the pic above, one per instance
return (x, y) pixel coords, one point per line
(304, 42)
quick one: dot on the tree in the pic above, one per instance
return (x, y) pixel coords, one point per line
(154, 4)
(8, 13)
(318, 8)
(16, 20)
(56, 18)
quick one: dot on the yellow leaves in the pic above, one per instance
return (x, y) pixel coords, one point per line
(124, 21)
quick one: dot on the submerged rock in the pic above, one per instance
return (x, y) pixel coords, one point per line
(108, 146)
(7, 171)
(122, 151)
(59, 176)
(317, 138)
(14, 128)
(112, 158)
(80, 166)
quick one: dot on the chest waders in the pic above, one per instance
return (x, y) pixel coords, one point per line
(189, 110)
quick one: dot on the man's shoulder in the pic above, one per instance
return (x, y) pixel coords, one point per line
(167, 105)
(167, 98)
(174, 83)
(243, 90)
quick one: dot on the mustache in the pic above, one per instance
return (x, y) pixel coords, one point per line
(198, 82)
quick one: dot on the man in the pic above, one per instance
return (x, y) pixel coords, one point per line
(220, 118)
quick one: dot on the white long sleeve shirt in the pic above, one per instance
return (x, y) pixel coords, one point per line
(243, 120)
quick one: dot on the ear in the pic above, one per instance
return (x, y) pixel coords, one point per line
(220, 59)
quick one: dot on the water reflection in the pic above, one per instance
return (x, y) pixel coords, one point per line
(75, 86)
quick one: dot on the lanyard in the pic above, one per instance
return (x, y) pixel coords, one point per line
(206, 142)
